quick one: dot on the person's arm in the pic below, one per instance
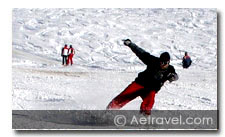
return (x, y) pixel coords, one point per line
(69, 51)
(144, 56)
(172, 76)
(183, 60)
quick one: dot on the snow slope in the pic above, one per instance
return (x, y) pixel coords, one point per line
(103, 65)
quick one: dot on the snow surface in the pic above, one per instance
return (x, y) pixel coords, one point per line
(103, 65)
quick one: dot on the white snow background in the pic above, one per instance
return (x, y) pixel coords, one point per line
(104, 67)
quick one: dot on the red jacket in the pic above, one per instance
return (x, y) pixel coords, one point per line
(71, 51)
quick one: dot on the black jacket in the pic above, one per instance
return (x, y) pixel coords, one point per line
(153, 77)
(186, 62)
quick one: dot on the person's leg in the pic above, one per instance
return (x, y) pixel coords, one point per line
(148, 102)
(126, 96)
(68, 60)
(64, 59)
(71, 59)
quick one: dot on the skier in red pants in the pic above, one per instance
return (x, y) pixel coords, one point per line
(148, 82)
(71, 53)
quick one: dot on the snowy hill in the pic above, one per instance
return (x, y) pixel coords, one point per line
(103, 65)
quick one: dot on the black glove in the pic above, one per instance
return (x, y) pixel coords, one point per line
(171, 77)
(127, 42)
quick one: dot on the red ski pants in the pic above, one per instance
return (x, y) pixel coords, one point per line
(70, 59)
(131, 92)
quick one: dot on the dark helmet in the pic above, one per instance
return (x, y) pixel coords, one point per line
(71, 46)
(165, 56)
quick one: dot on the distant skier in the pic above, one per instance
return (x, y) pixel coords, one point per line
(71, 53)
(64, 54)
(148, 82)
(186, 62)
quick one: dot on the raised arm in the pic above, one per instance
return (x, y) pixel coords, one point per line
(144, 56)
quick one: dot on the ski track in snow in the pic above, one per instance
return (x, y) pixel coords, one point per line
(103, 66)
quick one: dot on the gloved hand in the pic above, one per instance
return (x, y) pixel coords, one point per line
(171, 77)
(127, 42)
